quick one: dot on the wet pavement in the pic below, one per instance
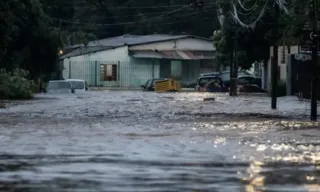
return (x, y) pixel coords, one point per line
(140, 141)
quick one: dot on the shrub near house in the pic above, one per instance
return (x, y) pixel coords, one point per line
(15, 85)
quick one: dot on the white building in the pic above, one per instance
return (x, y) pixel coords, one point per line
(130, 60)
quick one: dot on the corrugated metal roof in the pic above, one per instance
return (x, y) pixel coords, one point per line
(104, 44)
(84, 50)
(181, 55)
(134, 39)
(128, 39)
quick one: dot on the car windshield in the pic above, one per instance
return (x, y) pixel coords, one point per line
(210, 74)
(77, 84)
(204, 80)
(246, 80)
(213, 84)
(225, 76)
(59, 85)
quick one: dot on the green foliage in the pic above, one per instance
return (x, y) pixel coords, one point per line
(15, 85)
(223, 51)
(29, 41)
(253, 44)
(32, 31)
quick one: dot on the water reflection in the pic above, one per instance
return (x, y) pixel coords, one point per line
(280, 176)
(149, 142)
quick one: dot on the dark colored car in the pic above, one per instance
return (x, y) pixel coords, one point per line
(210, 84)
(149, 86)
(225, 76)
(215, 86)
(248, 83)
(210, 74)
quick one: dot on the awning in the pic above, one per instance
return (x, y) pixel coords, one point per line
(180, 55)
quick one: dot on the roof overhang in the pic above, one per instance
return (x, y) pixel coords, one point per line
(178, 55)
(85, 50)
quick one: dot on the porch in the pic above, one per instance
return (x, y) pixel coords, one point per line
(184, 66)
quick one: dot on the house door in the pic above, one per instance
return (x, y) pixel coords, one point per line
(165, 68)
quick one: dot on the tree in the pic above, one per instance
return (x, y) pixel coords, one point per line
(255, 39)
(29, 41)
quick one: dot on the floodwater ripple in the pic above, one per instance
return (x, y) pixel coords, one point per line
(134, 141)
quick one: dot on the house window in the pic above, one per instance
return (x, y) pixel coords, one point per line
(108, 72)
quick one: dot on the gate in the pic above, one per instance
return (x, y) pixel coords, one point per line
(302, 73)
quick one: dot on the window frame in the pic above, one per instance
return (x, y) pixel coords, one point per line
(104, 73)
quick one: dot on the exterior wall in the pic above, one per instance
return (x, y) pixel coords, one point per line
(180, 44)
(133, 72)
(139, 71)
(282, 63)
(194, 70)
(87, 66)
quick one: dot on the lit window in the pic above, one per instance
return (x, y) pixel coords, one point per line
(108, 72)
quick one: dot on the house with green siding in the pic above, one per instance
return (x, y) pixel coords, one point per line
(130, 60)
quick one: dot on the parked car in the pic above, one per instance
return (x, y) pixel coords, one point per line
(149, 85)
(215, 85)
(248, 83)
(209, 84)
(60, 86)
(210, 74)
(79, 84)
(225, 76)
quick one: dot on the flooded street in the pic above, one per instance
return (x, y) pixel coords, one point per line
(138, 141)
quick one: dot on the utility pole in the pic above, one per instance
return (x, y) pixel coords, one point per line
(234, 67)
(274, 62)
(231, 88)
(234, 79)
(314, 61)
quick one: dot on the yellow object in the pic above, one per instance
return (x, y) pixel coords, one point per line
(167, 85)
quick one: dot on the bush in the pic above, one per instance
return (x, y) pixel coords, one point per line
(14, 85)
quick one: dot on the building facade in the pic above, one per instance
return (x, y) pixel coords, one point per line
(129, 60)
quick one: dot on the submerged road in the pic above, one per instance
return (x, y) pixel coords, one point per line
(139, 141)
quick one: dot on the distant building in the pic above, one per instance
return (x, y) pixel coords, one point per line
(130, 60)
(284, 64)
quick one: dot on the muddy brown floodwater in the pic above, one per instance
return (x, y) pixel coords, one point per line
(126, 141)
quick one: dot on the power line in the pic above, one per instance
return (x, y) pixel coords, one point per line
(79, 5)
(163, 23)
(139, 7)
(176, 22)
(72, 21)
(124, 23)
(71, 4)
(146, 14)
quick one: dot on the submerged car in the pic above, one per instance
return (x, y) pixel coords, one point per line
(60, 86)
(248, 83)
(79, 84)
(210, 84)
(210, 74)
(149, 85)
(225, 76)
